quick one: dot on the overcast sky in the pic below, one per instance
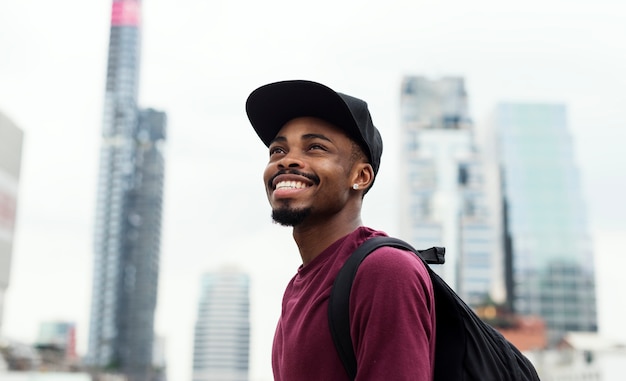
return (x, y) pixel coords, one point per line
(200, 60)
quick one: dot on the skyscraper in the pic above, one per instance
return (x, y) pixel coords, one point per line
(10, 163)
(128, 216)
(222, 333)
(443, 194)
(549, 245)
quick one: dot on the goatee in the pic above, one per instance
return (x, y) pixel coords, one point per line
(290, 217)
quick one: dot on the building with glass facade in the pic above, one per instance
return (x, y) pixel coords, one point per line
(11, 138)
(551, 259)
(222, 331)
(128, 213)
(443, 191)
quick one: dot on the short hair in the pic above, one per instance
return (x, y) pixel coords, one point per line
(357, 154)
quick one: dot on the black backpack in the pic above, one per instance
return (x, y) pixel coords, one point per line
(466, 348)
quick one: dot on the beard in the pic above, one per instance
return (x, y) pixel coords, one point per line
(290, 217)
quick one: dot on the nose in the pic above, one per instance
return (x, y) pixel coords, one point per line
(290, 160)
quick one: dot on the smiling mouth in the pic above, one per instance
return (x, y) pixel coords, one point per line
(291, 185)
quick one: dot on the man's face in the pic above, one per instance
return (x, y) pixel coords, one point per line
(308, 174)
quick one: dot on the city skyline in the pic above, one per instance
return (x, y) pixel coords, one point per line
(204, 60)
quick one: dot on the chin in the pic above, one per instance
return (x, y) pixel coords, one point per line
(290, 216)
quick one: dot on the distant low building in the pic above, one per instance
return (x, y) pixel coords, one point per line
(19, 356)
(527, 333)
(56, 344)
(45, 376)
(582, 356)
(18, 359)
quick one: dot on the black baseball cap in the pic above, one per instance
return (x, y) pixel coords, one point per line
(271, 106)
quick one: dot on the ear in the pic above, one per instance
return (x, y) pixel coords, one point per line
(362, 175)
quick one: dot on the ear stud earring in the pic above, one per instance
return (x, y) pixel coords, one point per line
(355, 186)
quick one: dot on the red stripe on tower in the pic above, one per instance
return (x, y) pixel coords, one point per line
(125, 13)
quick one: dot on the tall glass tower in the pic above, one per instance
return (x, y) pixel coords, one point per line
(550, 248)
(128, 215)
(443, 191)
(222, 333)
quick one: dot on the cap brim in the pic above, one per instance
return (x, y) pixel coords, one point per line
(271, 106)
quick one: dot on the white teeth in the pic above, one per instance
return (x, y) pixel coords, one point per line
(290, 185)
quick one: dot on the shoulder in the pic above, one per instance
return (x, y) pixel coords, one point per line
(387, 278)
(390, 261)
(389, 267)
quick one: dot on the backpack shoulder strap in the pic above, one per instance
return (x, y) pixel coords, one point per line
(339, 302)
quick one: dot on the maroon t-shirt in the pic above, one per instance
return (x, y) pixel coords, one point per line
(392, 317)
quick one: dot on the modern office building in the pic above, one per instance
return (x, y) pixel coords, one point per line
(128, 215)
(443, 190)
(11, 138)
(552, 263)
(222, 332)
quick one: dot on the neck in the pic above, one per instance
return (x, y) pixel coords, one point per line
(313, 237)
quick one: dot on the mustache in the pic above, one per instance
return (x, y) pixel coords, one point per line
(310, 176)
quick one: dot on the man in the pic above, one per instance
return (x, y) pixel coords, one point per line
(324, 154)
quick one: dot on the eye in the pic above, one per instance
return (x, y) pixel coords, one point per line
(317, 146)
(275, 150)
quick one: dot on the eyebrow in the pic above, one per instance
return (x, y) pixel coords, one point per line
(315, 136)
(281, 138)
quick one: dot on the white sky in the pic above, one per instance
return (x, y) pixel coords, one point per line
(200, 61)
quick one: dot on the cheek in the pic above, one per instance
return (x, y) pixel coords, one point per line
(268, 173)
(337, 182)
(341, 173)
